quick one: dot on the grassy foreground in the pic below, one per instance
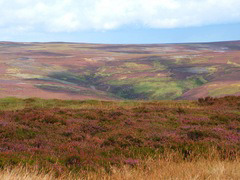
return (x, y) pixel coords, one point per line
(151, 169)
(120, 140)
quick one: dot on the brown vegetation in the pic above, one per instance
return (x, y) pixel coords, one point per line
(169, 166)
(122, 138)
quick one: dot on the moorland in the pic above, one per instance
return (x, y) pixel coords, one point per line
(119, 72)
(94, 139)
(102, 111)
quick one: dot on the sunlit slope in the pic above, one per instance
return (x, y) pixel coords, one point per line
(112, 72)
(93, 135)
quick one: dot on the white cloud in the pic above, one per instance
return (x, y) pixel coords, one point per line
(76, 15)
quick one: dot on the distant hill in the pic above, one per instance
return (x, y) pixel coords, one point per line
(112, 72)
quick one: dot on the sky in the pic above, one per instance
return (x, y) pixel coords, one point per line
(120, 21)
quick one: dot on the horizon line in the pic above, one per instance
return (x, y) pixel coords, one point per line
(69, 42)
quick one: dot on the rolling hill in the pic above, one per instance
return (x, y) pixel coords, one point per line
(116, 72)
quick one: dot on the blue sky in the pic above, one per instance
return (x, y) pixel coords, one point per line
(120, 21)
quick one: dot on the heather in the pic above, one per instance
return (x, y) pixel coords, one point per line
(119, 72)
(77, 136)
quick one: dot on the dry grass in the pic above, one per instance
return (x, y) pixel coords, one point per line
(20, 173)
(170, 170)
(150, 169)
(173, 166)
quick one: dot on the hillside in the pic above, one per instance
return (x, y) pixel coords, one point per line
(117, 72)
(90, 135)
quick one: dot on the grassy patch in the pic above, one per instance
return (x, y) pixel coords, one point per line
(224, 89)
(158, 66)
(156, 88)
(233, 63)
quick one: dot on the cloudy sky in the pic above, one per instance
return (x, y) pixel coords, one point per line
(120, 21)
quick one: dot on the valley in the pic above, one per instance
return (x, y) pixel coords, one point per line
(119, 72)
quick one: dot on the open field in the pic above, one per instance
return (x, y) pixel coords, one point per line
(130, 139)
(119, 72)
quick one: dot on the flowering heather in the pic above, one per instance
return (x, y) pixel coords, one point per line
(79, 135)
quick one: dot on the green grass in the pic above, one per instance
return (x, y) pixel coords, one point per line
(135, 66)
(160, 88)
(222, 89)
(13, 103)
(158, 66)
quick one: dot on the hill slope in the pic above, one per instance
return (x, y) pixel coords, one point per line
(111, 72)
(93, 134)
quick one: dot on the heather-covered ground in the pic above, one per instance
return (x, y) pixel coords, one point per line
(91, 135)
(119, 72)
